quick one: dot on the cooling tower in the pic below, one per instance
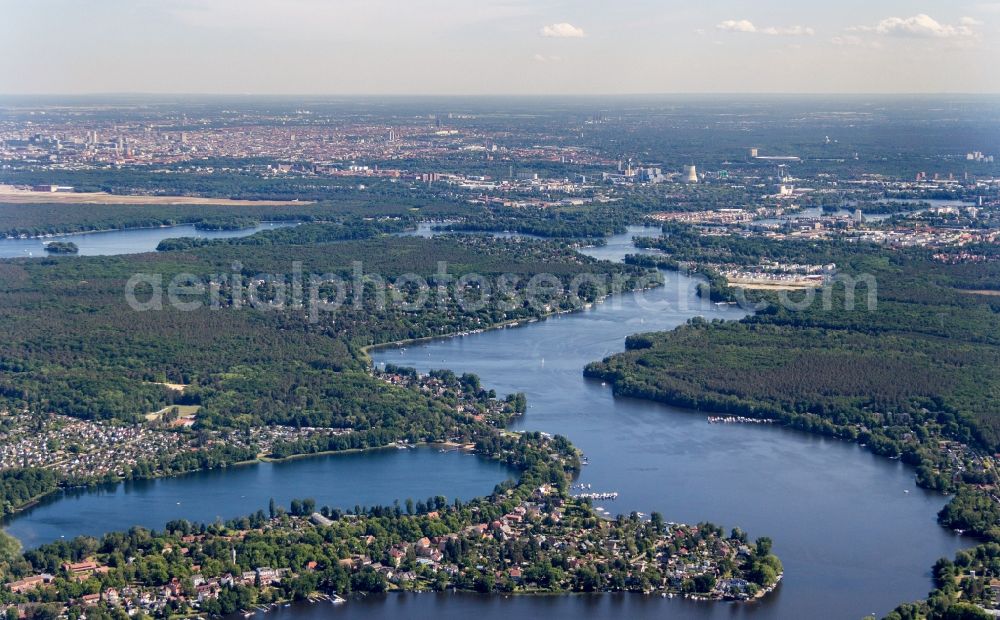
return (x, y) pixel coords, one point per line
(690, 174)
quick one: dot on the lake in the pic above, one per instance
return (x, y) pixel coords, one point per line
(337, 480)
(133, 241)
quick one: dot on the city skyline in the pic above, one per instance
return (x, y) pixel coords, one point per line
(443, 47)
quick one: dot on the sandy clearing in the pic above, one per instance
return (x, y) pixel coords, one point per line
(11, 194)
(774, 286)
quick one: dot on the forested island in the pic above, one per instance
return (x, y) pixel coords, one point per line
(61, 247)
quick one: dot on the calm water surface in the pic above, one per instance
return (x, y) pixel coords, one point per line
(124, 241)
(339, 480)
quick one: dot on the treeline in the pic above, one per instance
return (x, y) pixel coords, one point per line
(244, 181)
(684, 243)
(963, 588)
(924, 344)
(43, 219)
(715, 288)
(596, 221)
(762, 370)
(61, 247)
(20, 486)
(973, 510)
(235, 222)
(304, 234)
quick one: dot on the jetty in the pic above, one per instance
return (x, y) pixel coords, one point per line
(607, 495)
(738, 419)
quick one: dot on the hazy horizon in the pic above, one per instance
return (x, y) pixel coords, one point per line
(497, 47)
(499, 95)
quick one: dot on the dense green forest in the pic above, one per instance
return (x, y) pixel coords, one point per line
(962, 588)
(926, 349)
(73, 345)
(61, 247)
(570, 221)
(20, 486)
(780, 371)
(254, 182)
(304, 234)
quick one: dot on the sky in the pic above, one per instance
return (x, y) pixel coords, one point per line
(481, 47)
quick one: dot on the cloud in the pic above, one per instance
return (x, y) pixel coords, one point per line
(919, 26)
(546, 59)
(790, 31)
(562, 30)
(747, 26)
(737, 25)
(970, 21)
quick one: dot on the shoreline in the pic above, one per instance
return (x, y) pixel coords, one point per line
(93, 231)
(318, 597)
(263, 458)
(528, 594)
(259, 460)
(512, 323)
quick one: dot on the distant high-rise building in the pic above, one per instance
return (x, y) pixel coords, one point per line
(752, 153)
(690, 174)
